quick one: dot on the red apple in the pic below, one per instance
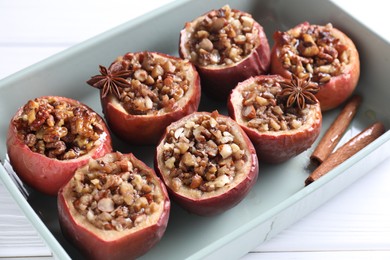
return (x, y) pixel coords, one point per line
(115, 207)
(142, 93)
(227, 46)
(277, 131)
(323, 53)
(50, 137)
(207, 163)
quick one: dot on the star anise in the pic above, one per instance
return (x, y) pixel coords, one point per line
(110, 81)
(298, 92)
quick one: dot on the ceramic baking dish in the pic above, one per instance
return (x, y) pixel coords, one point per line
(279, 197)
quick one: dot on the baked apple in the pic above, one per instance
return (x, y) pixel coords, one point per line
(50, 137)
(282, 117)
(207, 163)
(323, 53)
(115, 207)
(227, 46)
(142, 93)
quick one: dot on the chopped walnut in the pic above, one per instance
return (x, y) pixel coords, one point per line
(202, 154)
(262, 109)
(313, 52)
(58, 129)
(114, 194)
(225, 36)
(155, 82)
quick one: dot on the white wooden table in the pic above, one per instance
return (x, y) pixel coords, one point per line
(353, 225)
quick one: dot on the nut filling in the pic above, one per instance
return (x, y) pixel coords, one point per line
(223, 37)
(313, 52)
(263, 110)
(202, 154)
(113, 194)
(58, 129)
(156, 83)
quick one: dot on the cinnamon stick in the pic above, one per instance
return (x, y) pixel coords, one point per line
(350, 148)
(333, 135)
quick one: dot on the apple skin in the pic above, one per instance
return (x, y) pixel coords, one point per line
(218, 81)
(275, 147)
(104, 244)
(223, 200)
(333, 93)
(218, 204)
(147, 129)
(42, 173)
